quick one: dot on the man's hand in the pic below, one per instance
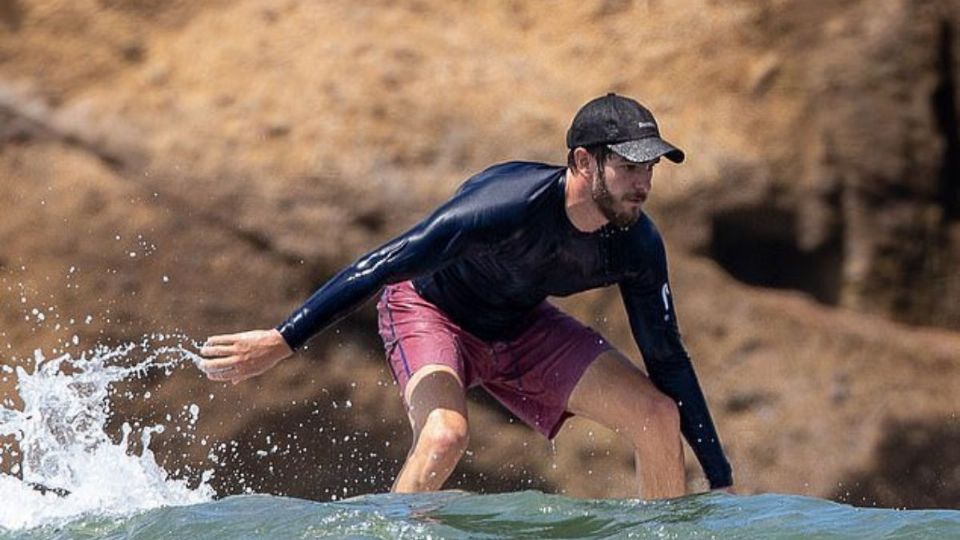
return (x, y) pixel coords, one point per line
(235, 357)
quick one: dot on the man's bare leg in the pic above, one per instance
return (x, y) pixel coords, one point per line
(438, 415)
(614, 393)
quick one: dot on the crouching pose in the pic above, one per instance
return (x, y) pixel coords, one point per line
(464, 303)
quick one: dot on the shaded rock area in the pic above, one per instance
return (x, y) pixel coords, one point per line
(860, 209)
(202, 167)
(914, 467)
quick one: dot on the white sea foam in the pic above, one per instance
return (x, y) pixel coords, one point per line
(65, 464)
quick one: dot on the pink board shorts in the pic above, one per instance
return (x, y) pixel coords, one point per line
(532, 375)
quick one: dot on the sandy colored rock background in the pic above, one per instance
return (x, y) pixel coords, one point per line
(202, 167)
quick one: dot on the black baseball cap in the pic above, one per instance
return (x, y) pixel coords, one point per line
(625, 126)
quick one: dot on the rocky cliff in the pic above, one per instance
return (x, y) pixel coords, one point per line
(202, 167)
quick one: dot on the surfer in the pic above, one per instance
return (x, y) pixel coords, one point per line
(464, 303)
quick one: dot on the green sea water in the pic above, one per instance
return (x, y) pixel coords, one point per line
(526, 514)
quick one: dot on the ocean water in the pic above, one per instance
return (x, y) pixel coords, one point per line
(68, 478)
(511, 515)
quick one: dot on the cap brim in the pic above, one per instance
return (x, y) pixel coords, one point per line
(648, 149)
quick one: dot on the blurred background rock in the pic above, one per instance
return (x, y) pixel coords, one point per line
(203, 166)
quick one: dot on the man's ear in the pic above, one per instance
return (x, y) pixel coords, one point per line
(584, 162)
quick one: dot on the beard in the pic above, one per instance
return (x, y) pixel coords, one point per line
(615, 213)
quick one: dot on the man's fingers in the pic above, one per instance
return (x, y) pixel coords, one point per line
(215, 351)
(220, 364)
(230, 374)
(219, 376)
(223, 339)
(237, 357)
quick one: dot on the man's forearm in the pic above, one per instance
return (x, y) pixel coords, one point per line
(335, 300)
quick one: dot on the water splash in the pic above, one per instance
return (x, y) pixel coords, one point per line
(68, 464)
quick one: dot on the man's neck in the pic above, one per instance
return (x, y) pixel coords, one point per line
(578, 202)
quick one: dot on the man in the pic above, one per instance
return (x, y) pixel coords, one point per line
(465, 304)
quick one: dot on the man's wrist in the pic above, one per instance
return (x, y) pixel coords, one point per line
(720, 478)
(286, 334)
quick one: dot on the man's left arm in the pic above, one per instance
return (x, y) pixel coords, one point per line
(649, 304)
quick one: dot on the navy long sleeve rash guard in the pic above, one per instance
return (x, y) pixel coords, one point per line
(502, 245)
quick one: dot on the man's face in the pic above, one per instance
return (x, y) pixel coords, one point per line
(621, 188)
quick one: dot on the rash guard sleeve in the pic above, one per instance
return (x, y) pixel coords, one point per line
(429, 245)
(486, 209)
(649, 304)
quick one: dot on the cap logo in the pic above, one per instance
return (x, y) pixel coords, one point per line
(664, 294)
(646, 125)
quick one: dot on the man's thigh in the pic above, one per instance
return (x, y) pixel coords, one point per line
(536, 372)
(614, 392)
(433, 387)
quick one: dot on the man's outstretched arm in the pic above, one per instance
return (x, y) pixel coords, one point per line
(429, 245)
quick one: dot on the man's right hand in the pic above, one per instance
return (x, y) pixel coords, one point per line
(235, 357)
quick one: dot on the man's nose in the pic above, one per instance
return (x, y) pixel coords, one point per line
(643, 181)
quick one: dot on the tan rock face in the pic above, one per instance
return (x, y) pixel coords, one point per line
(244, 151)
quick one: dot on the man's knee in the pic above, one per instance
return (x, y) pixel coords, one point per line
(665, 412)
(445, 433)
(658, 415)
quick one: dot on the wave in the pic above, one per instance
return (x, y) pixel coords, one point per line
(528, 514)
